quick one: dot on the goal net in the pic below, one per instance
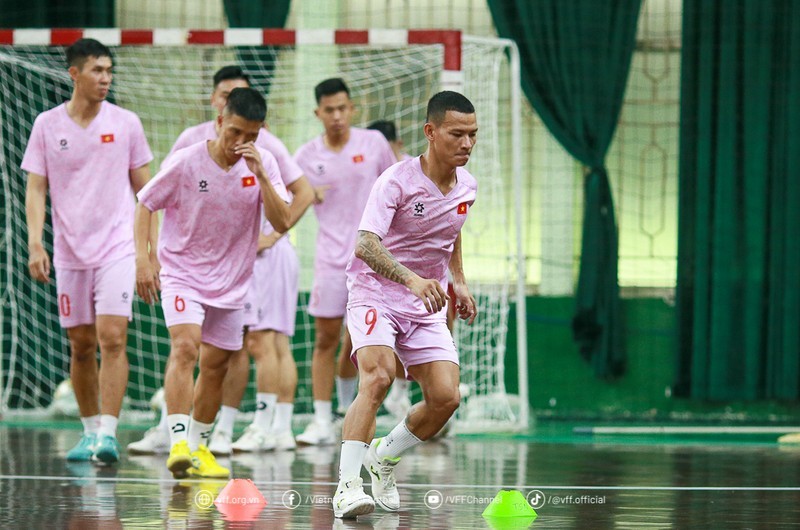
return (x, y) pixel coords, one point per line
(166, 80)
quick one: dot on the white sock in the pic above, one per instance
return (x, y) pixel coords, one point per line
(397, 442)
(91, 424)
(227, 419)
(198, 433)
(265, 408)
(399, 389)
(108, 425)
(178, 428)
(283, 417)
(351, 459)
(346, 388)
(163, 424)
(322, 412)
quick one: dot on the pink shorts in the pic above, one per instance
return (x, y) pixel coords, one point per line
(328, 295)
(271, 302)
(105, 290)
(223, 328)
(414, 341)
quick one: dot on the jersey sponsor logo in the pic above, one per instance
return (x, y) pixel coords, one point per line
(418, 209)
(248, 181)
(63, 143)
(320, 169)
(462, 209)
(358, 159)
(203, 185)
(107, 138)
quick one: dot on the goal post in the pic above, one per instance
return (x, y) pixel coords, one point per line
(164, 75)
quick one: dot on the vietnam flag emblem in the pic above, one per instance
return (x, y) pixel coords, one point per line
(358, 159)
(107, 138)
(462, 209)
(248, 181)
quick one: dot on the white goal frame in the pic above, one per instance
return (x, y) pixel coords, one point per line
(452, 78)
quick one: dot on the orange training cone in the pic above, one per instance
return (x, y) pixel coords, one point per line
(240, 500)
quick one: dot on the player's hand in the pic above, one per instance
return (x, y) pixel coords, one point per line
(147, 282)
(430, 292)
(253, 159)
(156, 266)
(466, 308)
(319, 193)
(268, 241)
(39, 263)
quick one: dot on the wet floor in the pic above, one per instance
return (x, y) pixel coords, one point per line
(575, 481)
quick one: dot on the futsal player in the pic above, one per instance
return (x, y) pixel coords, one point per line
(342, 165)
(92, 157)
(214, 194)
(409, 235)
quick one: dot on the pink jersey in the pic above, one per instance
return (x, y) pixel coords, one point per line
(88, 176)
(350, 174)
(209, 234)
(418, 226)
(290, 171)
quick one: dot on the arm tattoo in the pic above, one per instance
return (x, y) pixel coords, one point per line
(370, 250)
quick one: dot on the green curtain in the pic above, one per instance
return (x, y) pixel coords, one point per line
(257, 13)
(49, 14)
(739, 203)
(575, 57)
(258, 62)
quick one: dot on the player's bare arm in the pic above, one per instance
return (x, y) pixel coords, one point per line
(139, 177)
(275, 210)
(35, 200)
(303, 195)
(147, 282)
(466, 308)
(371, 251)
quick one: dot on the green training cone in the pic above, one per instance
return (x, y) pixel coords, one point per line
(509, 503)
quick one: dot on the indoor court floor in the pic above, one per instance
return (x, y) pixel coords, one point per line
(575, 480)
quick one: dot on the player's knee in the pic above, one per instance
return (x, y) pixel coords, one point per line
(326, 343)
(83, 352)
(215, 365)
(112, 342)
(374, 384)
(83, 347)
(183, 352)
(445, 403)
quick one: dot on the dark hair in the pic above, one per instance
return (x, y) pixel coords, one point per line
(386, 128)
(230, 72)
(440, 103)
(82, 49)
(247, 103)
(330, 87)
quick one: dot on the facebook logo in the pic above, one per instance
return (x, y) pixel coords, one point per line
(291, 499)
